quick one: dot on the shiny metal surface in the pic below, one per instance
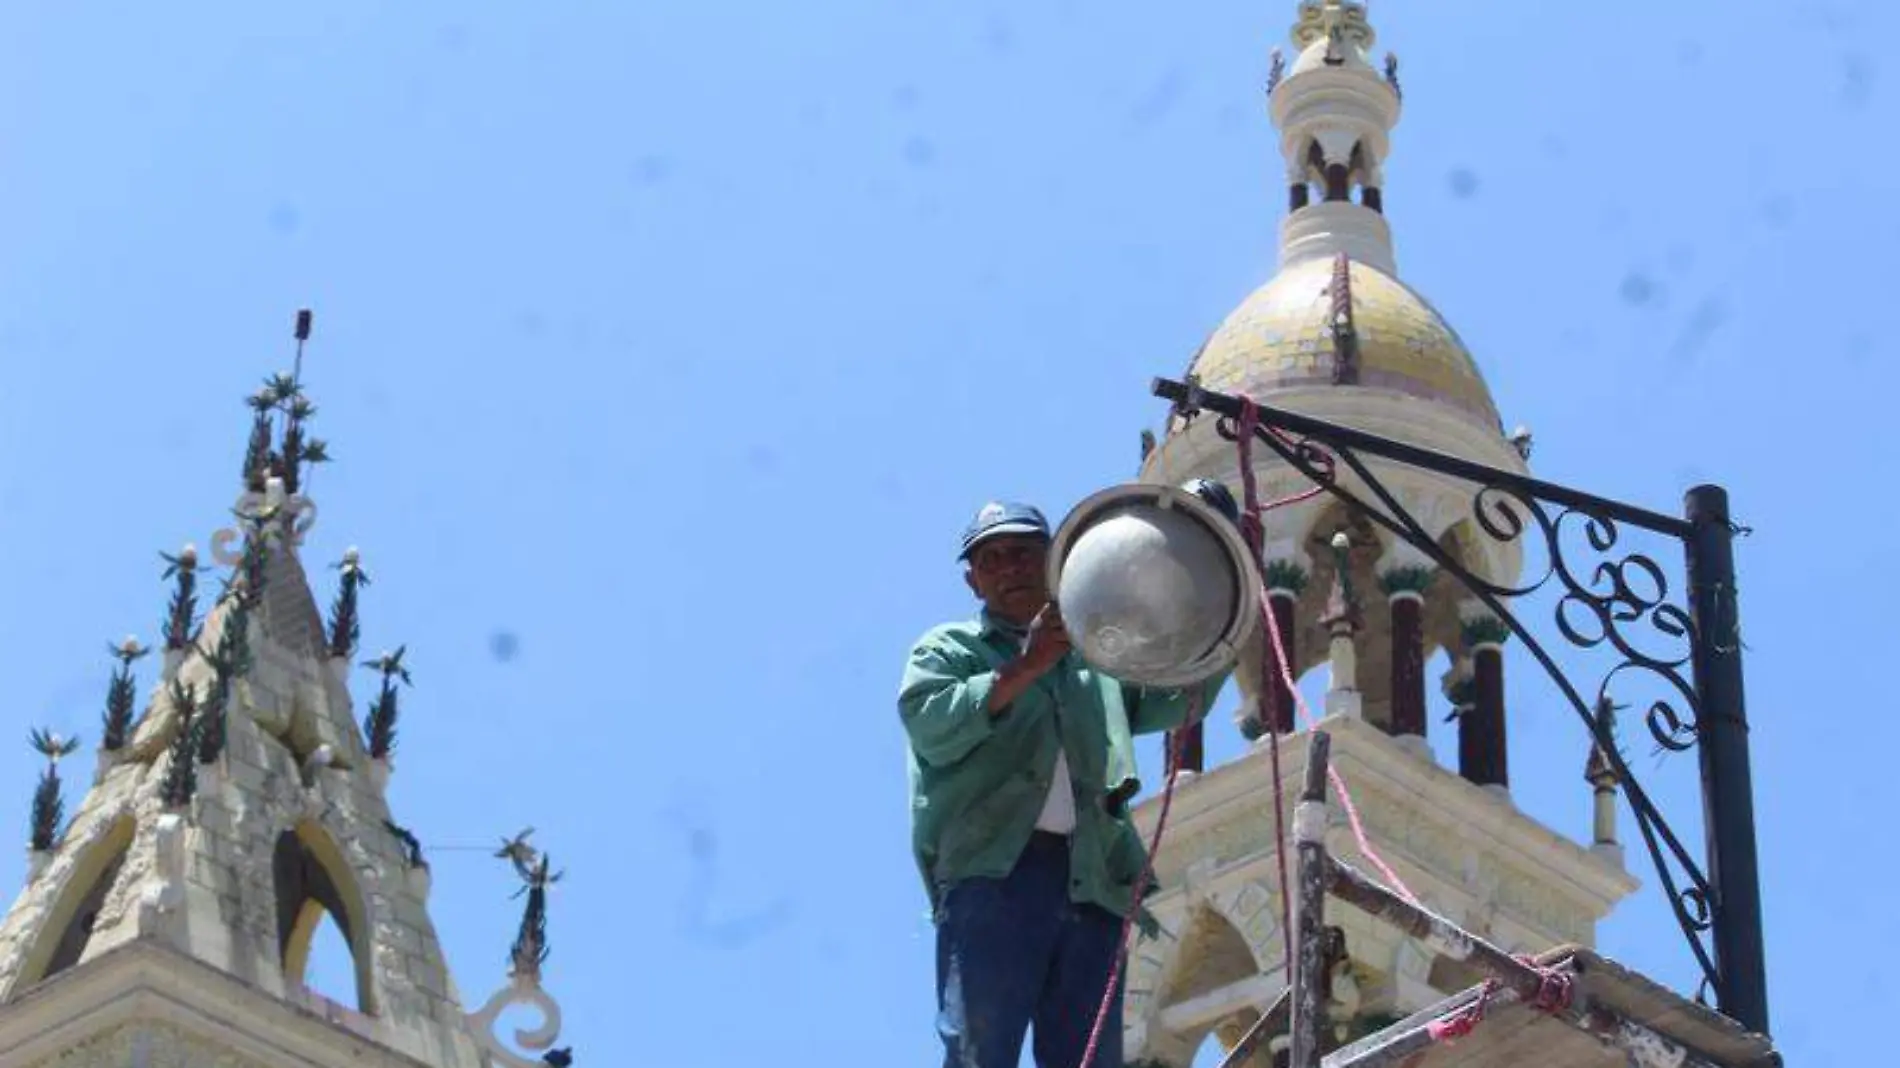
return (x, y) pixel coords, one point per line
(1156, 587)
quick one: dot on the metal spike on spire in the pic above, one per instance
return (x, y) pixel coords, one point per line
(302, 334)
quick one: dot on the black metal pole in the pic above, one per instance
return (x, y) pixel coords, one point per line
(1728, 795)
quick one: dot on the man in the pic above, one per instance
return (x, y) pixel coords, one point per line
(1021, 765)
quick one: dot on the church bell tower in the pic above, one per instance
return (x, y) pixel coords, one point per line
(170, 922)
(1337, 335)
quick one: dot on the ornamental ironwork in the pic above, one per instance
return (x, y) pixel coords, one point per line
(1680, 645)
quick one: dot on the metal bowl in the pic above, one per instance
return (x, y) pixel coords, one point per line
(1156, 587)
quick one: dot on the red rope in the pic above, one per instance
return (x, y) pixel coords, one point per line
(1554, 994)
(1451, 1028)
(1249, 420)
(1253, 530)
(1176, 749)
(1554, 988)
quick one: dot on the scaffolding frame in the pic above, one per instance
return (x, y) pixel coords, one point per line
(1300, 1010)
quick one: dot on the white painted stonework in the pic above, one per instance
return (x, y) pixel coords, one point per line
(1467, 857)
(183, 963)
(150, 1006)
(1321, 231)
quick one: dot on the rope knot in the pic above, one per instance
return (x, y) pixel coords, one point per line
(1555, 990)
(1451, 1028)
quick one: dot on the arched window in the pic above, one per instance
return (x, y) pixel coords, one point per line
(69, 926)
(314, 885)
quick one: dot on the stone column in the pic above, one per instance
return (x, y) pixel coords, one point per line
(1602, 777)
(1404, 575)
(1284, 575)
(1482, 749)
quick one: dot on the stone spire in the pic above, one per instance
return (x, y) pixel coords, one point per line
(1335, 114)
(243, 808)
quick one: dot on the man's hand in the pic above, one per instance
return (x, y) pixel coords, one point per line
(1044, 648)
(1048, 640)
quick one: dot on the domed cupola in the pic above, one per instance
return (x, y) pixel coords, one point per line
(1336, 334)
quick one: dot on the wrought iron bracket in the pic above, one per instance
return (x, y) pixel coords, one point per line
(1618, 600)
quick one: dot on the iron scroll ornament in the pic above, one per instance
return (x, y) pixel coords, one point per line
(1626, 592)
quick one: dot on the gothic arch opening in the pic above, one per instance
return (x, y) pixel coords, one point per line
(1213, 955)
(69, 925)
(313, 884)
(1205, 987)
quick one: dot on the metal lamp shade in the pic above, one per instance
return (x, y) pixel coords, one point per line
(1156, 587)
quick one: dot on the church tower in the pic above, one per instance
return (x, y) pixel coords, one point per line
(1337, 335)
(170, 922)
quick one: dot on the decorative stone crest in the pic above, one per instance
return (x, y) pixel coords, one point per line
(524, 979)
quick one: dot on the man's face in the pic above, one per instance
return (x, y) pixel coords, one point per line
(1007, 574)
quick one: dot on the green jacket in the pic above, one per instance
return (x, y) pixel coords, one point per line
(978, 782)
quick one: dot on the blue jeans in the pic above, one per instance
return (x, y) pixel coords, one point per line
(1015, 951)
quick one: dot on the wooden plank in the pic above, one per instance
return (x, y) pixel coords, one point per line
(1643, 1044)
(1269, 1023)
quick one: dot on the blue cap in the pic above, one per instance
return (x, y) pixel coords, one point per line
(998, 518)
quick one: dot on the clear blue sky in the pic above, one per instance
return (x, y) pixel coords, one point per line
(675, 342)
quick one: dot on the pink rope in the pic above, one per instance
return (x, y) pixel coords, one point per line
(1249, 420)
(1555, 991)
(1554, 994)
(1449, 1029)
(1332, 774)
(1134, 907)
(1252, 527)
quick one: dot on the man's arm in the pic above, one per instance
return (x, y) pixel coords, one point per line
(949, 703)
(1154, 711)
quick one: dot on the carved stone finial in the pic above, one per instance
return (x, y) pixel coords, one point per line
(121, 695)
(1342, 621)
(379, 725)
(1342, 604)
(1603, 779)
(1520, 440)
(181, 614)
(345, 623)
(49, 806)
(1339, 23)
(1598, 771)
(530, 949)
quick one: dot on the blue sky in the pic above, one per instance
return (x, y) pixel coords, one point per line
(673, 343)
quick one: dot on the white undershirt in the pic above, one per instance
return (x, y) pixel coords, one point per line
(1058, 810)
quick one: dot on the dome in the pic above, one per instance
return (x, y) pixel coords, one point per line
(1281, 338)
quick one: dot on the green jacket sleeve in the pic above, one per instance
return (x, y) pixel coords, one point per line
(944, 702)
(1154, 711)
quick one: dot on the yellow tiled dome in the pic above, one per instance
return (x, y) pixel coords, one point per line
(1281, 338)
